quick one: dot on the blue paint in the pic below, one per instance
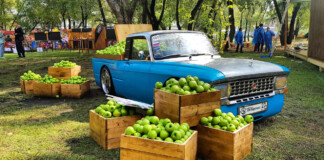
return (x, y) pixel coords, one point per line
(285, 69)
(275, 104)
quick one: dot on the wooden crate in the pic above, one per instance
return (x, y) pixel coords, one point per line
(132, 147)
(27, 86)
(219, 144)
(64, 73)
(46, 90)
(107, 131)
(75, 90)
(109, 56)
(185, 108)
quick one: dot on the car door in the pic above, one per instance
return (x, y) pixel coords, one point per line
(136, 70)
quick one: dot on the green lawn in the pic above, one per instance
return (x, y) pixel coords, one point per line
(44, 128)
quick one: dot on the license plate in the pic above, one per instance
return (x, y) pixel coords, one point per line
(253, 108)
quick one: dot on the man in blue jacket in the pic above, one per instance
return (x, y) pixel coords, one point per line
(261, 38)
(268, 39)
(239, 40)
(255, 39)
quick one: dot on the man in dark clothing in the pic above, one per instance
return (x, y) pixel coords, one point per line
(19, 38)
(261, 38)
(239, 40)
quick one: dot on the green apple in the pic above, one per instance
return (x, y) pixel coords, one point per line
(186, 93)
(183, 133)
(158, 85)
(139, 122)
(153, 126)
(215, 120)
(182, 82)
(169, 139)
(224, 115)
(230, 114)
(249, 118)
(139, 129)
(200, 88)
(150, 112)
(152, 134)
(123, 112)
(135, 126)
(223, 123)
(184, 127)
(235, 122)
(206, 86)
(193, 84)
(204, 120)
(130, 130)
(159, 139)
(186, 88)
(157, 129)
(218, 112)
(116, 113)
(209, 125)
(111, 102)
(164, 134)
(217, 127)
(144, 136)
(107, 114)
(224, 128)
(210, 119)
(166, 121)
(137, 134)
(228, 118)
(105, 107)
(231, 127)
(176, 135)
(196, 78)
(169, 127)
(97, 110)
(241, 118)
(176, 126)
(145, 121)
(154, 120)
(147, 128)
(178, 141)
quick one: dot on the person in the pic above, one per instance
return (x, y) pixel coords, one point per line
(2, 41)
(8, 39)
(260, 38)
(268, 39)
(239, 40)
(255, 39)
(19, 38)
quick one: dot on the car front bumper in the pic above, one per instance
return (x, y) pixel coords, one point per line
(275, 104)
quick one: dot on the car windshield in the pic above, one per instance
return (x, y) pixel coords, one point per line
(170, 45)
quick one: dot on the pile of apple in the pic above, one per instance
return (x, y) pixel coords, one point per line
(226, 121)
(185, 86)
(160, 129)
(113, 109)
(74, 80)
(65, 64)
(48, 80)
(117, 49)
(30, 76)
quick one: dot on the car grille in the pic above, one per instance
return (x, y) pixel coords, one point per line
(251, 86)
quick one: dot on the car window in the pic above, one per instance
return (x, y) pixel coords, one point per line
(140, 50)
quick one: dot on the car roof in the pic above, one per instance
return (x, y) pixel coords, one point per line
(150, 33)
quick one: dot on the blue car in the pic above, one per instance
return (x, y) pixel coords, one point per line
(247, 86)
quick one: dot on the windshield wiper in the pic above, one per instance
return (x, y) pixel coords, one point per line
(199, 54)
(173, 56)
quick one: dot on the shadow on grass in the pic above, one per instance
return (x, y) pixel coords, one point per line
(86, 146)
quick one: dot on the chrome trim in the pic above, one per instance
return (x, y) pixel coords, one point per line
(247, 99)
(247, 87)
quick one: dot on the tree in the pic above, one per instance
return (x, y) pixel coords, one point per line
(102, 13)
(193, 13)
(151, 12)
(231, 19)
(123, 10)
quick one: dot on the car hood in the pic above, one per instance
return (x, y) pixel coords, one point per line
(234, 67)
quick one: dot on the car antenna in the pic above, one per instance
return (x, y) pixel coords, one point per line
(212, 56)
(189, 58)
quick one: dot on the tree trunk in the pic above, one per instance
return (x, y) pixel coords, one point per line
(193, 13)
(282, 33)
(292, 23)
(123, 10)
(297, 27)
(241, 21)
(144, 15)
(231, 20)
(246, 28)
(177, 15)
(69, 19)
(102, 13)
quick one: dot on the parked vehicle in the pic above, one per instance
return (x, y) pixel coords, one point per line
(247, 86)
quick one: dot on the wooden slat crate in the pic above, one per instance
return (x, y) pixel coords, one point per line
(132, 147)
(64, 73)
(219, 144)
(185, 108)
(109, 56)
(27, 86)
(75, 90)
(46, 90)
(107, 131)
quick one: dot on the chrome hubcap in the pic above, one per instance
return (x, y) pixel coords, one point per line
(105, 81)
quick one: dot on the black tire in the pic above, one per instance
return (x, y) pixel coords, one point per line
(107, 85)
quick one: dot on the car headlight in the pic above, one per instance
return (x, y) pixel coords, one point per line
(281, 82)
(225, 90)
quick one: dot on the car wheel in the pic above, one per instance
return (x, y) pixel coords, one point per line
(106, 81)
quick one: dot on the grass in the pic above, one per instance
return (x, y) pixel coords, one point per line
(44, 128)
